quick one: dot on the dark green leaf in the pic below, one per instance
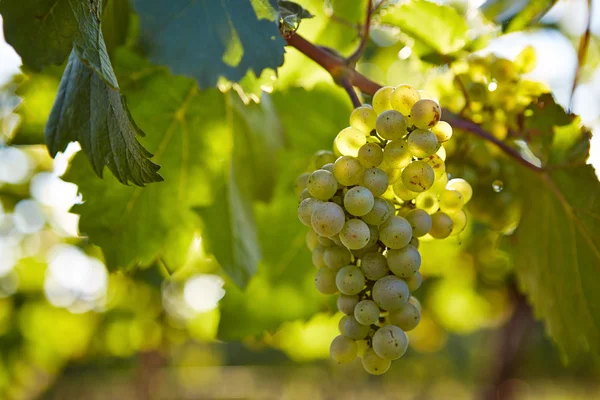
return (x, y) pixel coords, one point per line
(289, 8)
(115, 23)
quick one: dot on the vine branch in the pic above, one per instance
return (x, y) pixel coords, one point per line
(364, 37)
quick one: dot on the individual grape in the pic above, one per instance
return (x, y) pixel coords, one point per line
(425, 113)
(418, 176)
(311, 239)
(374, 266)
(363, 118)
(336, 257)
(404, 262)
(420, 221)
(336, 240)
(359, 201)
(327, 219)
(300, 183)
(353, 329)
(373, 237)
(393, 174)
(459, 222)
(422, 143)
(462, 186)
(403, 193)
(304, 195)
(347, 303)
(404, 210)
(366, 312)
(381, 99)
(395, 233)
(438, 165)
(355, 234)
(451, 201)
(403, 98)
(349, 141)
(343, 350)
(441, 153)
(390, 342)
(441, 225)
(329, 167)
(318, 259)
(323, 157)
(325, 241)
(361, 252)
(440, 184)
(370, 155)
(427, 202)
(414, 242)
(406, 318)
(374, 364)
(391, 125)
(396, 154)
(342, 322)
(325, 281)
(414, 282)
(350, 280)
(375, 180)
(390, 292)
(382, 211)
(443, 131)
(306, 208)
(415, 302)
(347, 170)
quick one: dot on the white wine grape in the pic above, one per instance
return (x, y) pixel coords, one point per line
(374, 364)
(391, 125)
(325, 281)
(346, 303)
(420, 222)
(343, 350)
(418, 176)
(347, 170)
(381, 99)
(395, 233)
(441, 225)
(390, 293)
(375, 180)
(425, 113)
(370, 155)
(404, 262)
(403, 97)
(336, 257)
(355, 234)
(366, 312)
(374, 266)
(422, 143)
(382, 211)
(406, 318)
(462, 186)
(327, 219)
(358, 201)
(363, 118)
(390, 342)
(349, 141)
(350, 280)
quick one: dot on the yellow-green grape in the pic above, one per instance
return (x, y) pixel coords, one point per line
(440, 184)
(403, 193)
(390, 292)
(304, 195)
(418, 176)
(374, 266)
(441, 225)
(370, 155)
(393, 174)
(406, 318)
(363, 118)
(442, 152)
(342, 322)
(347, 170)
(396, 154)
(438, 165)
(428, 202)
(329, 167)
(451, 201)
(415, 302)
(355, 234)
(381, 99)
(323, 157)
(374, 237)
(321, 184)
(366, 312)
(443, 131)
(375, 180)
(350, 280)
(461, 186)
(422, 143)
(311, 239)
(420, 221)
(325, 281)
(346, 303)
(390, 342)
(336, 257)
(327, 219)
(300, 183)
(404, 210)
(374, 364)
(395, 233)
(403, 98)
(414, 282)
(414, 242)
(382, 211)
(391, 125)
(353, 330)
(367, 249)
(459, 221)
(343, 350)
(325, 241)
(318, 259)
(349, 141)
(404, 262)
(425, 113)
(306, 208)
(359, 201)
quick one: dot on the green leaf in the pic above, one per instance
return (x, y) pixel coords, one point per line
(209, 39)
(437, 26)
(115, 23)
(264, 9)
(91, 112)
(289, 8)
(516, 15)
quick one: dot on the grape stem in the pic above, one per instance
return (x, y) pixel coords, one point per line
(345, 83)
(346, 76)
(364, 37)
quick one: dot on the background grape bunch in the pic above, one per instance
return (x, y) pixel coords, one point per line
(367, 203)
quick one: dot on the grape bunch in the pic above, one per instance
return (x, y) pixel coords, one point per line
(367, 203)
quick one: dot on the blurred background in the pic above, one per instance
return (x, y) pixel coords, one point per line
(71, 329)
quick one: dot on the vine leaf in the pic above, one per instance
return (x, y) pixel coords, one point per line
(515, 16)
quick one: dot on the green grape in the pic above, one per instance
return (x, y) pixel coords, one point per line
(347, 170)
(336, 240)
(306, 208)
(459, 222)
(343, 350)
(300, 183)
(438, 165)
(428, 202)
(318, 255)
(382, 211)
(325, 241)
(366, 312)
(353, 329)
(374, 266)
(403, 98)
(375, 180)
(415, 302)
(329, 167)
(418, 176)
(403, 193)
(304, 195)
(323, 157)
(350, 280)
(395, 233)
(359, 201)
(361, 252)
(374, 364)
(461, 186)
(363, 118)
(355, 234)
(311, 239)
(451, 201)
(349, 141)
(396, 154)
(391, 125)
(425, 113)
(414, 282)
(325, 281)
(443, 131)
(441, 225)
(336, 257)
(414, 242)
(327, 219)
(373, 236)
(390, 293)
(420, 221)
(404, 210)
(440, 184)
(422, 143)
(442, 152)
(390, 342)
(347, 303)
(342, 322)
(370, 155)
(404, 262)
(407, 318)
(393, 174)
(381, 99)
